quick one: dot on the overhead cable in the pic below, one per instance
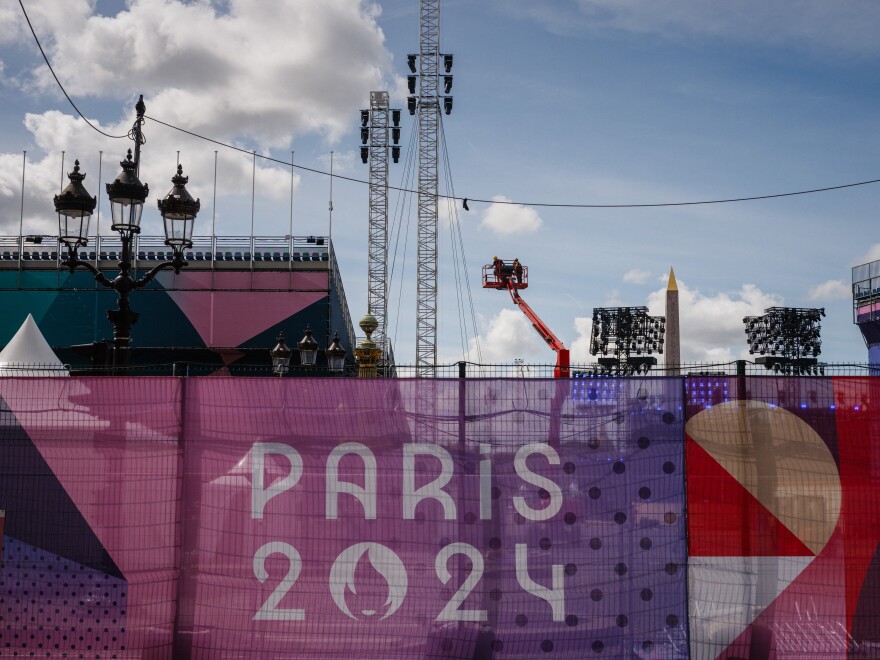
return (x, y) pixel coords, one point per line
(464, 200)
(60, 86)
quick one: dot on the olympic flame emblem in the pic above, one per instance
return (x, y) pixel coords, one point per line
(383, 560)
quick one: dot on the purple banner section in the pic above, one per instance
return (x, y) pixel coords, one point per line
(443, 519)
(363, 518)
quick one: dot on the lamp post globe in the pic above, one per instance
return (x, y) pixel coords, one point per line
(179, 211)
(308, 349)
(280, 356)
(336, 355)
(74, 207)
(127, 196)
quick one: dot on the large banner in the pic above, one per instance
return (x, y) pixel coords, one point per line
(507, 518)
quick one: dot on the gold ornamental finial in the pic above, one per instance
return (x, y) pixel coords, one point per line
(367, 352)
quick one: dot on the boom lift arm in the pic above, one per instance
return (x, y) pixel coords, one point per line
(512, 275)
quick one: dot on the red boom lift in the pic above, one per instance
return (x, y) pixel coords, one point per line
(512, 275)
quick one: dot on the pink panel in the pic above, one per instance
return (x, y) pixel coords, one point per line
(229, 318)
(228, 308)
(113, 445)
(311, 279)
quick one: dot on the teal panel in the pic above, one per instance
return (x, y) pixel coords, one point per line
(17, 305)
(337, 322)
(161, 322)
(41, 279)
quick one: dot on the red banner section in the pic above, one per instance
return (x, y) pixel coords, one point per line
(782, 511)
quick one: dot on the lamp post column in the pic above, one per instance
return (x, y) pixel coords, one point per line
(127, 196)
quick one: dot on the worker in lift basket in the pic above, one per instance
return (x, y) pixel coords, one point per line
(497, 265)
(518, 271)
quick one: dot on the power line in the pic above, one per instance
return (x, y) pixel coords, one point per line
(533, 204)
(730, 200)
(61, 87)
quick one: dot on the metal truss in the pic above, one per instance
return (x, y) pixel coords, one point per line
(377, 266)
(428, 120)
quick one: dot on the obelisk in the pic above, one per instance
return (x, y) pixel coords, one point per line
(673, 338)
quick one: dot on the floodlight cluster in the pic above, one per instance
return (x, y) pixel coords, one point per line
(412, 83)
(625, 331)
(787, 332)
(366, 126)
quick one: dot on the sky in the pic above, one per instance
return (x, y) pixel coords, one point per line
(557, 102)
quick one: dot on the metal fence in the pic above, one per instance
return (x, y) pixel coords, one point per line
(476, 370)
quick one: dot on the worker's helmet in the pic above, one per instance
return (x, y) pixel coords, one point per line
(494, 258)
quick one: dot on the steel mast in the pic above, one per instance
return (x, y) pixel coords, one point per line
(375, 132)
(427, 102)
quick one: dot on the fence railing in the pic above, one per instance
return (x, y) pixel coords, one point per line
(260, 251)
(475, 370)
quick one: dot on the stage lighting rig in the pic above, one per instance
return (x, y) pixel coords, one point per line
(786, 339)
(625, 338)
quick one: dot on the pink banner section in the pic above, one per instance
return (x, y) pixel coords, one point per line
(91, 485)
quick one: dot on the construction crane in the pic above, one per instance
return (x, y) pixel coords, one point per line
(513, 276)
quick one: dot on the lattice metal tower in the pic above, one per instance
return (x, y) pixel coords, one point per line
(427, 102)
(375, 131)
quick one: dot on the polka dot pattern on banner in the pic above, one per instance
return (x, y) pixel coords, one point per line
(622, 493)
(51, 606)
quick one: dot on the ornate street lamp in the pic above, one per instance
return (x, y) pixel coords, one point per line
(75, 207)
(308, 349)
(308, 353)
(127, 196)
(280, 356)
(336, 355)
(179, 212)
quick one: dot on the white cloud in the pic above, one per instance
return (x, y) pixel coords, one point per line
(613, 299)
(711, 326)
(636, 276)
(830, 290)
(267, 71)
(233, 71)
(580, 347)
(505, 218)
(873, 254)
(448, 212)
(509, 335)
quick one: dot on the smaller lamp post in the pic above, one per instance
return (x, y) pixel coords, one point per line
(280, 356)
(336, 355)
(308, 349)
